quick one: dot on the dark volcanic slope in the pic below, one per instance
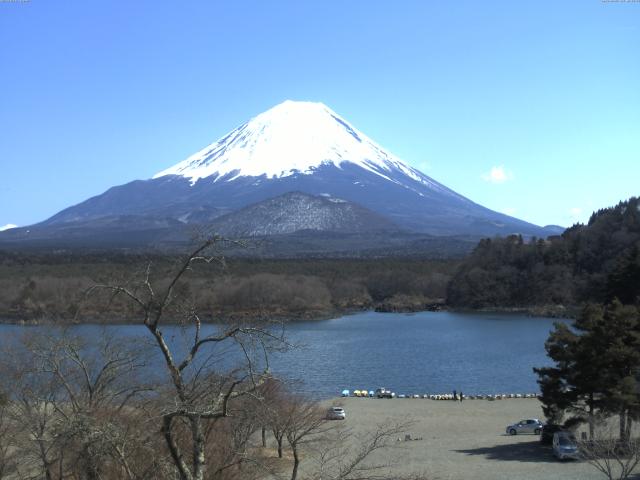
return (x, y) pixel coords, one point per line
(296, 211)
(409, 204)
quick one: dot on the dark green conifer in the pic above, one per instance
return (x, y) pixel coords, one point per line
(597, 367)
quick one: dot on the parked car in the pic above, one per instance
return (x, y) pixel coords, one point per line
(336, 413)
(546, 436)
(530, 425)
(565, 446)
(384, 393)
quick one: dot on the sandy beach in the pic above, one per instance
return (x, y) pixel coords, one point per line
(463, 440)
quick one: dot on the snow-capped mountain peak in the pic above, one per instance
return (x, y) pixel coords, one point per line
(292, 137)
(247, 179)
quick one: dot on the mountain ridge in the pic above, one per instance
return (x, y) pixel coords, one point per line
(297, 211)
(293, 147)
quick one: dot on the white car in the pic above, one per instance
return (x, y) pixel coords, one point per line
(530, 425)
(565, 446)
(336, 413)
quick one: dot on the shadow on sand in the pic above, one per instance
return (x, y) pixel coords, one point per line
(515, 452)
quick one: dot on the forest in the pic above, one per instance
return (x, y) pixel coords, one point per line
(596, 262)
(50, 287)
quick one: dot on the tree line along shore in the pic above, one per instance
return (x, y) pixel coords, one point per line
(557, 276)
(50, 288)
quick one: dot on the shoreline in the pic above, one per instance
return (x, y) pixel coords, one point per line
(559, 312)
(548, 311)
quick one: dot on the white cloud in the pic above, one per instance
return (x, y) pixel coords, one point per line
(575, 213)
(7, 227)
(497, 175)
(509, 211)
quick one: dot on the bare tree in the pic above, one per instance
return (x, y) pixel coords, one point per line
(229, 441)
(7, 463)
(71, 409)
(32, 418)
(96, 385)
(200, 389)
(304, 419)
(614, 457)
(268, 397)
(272, 412)
(343, 455)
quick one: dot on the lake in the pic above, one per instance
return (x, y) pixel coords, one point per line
(426, 352)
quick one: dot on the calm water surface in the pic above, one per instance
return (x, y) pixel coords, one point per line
(428, 352)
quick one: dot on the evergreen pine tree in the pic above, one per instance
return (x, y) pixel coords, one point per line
(597, 367)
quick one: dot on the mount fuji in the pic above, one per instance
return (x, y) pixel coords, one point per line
(301, 147)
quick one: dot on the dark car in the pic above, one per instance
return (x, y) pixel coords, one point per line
(384, 393)
(565, 446)
(546, 436)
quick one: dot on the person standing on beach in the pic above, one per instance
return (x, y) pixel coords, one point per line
(455, 396)
(460, 397)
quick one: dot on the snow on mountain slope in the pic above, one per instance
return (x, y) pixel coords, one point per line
(293, 137)
(293, 147)
(295, 211)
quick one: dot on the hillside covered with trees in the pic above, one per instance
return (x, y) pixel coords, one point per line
(50, 287)
(596, 262)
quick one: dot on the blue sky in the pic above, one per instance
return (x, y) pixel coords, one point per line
(530, 108)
